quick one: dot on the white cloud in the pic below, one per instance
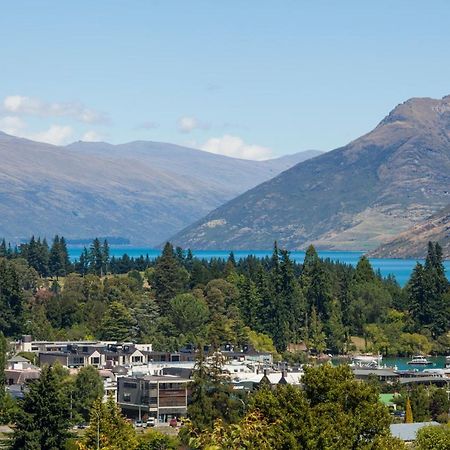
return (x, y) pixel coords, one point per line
(12, 125)
(91, 136)
(186, 124)
(56, 135)
(236, 147)
(19, 104)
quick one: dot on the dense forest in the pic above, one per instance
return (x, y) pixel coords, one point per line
(271, 303)
(177, 299)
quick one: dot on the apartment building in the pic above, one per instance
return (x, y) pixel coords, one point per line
(162, 397)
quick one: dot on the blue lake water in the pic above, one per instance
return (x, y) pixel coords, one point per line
(402, 363)
(400, 268)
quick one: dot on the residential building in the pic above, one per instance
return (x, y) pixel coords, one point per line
(162, 397)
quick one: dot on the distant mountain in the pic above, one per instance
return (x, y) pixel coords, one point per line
(231, 176)
(140, 191)
(413, 242)
(354, 197)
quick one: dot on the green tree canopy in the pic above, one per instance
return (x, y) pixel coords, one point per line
(43, 420)
(188, 314)
(87, 388)
(108, 429)
(117, 324)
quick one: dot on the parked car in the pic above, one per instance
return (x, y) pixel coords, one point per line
(151, 422)
(138, 423)
(173, 422)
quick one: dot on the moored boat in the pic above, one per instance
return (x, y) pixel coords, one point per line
(419, 360)
(366, 361)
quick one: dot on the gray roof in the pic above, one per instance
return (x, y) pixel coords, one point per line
(18, 358)
(376, 372)
(164, 378)
(408, 431)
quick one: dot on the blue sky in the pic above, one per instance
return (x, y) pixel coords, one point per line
(253, 79)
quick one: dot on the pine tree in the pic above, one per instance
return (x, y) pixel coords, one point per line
(292, 297)
(427, 289)
(105, 257)
(84, 262)
(179, 253)
(44, 418)
(310, 260)
(59, 260)
(108, 429)
(364, 272)
(188, 261)
(408, 412)
(212, 395)
(117, 324)
(37, 255)
(96, 258)
(3, 348)
(3, 249)
(277, 309)
(65, 254)
(438, 287)
(11, 300)
(316, 333)
(336, 330)
(419, 296)
(169, 277)
(230, 266)
(250, 304)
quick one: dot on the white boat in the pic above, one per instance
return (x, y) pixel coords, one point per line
(419, 360)
(367, 361)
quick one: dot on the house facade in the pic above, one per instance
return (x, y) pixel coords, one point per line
(162, 397)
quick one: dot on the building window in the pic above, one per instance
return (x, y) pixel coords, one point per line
(127, 384)
(78, 360)
(95, 360)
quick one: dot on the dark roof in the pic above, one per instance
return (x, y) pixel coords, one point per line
(51, 353)
(428, 379)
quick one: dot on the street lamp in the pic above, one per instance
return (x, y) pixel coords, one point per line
(97, 413)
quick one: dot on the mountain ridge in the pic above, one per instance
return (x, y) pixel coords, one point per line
(413, 243)
(47, 189)
(350, 198)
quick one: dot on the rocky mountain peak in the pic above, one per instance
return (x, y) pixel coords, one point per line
(354, 197)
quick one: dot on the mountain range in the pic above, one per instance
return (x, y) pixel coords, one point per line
(413, 243)
(142, 191)
(355, 197)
